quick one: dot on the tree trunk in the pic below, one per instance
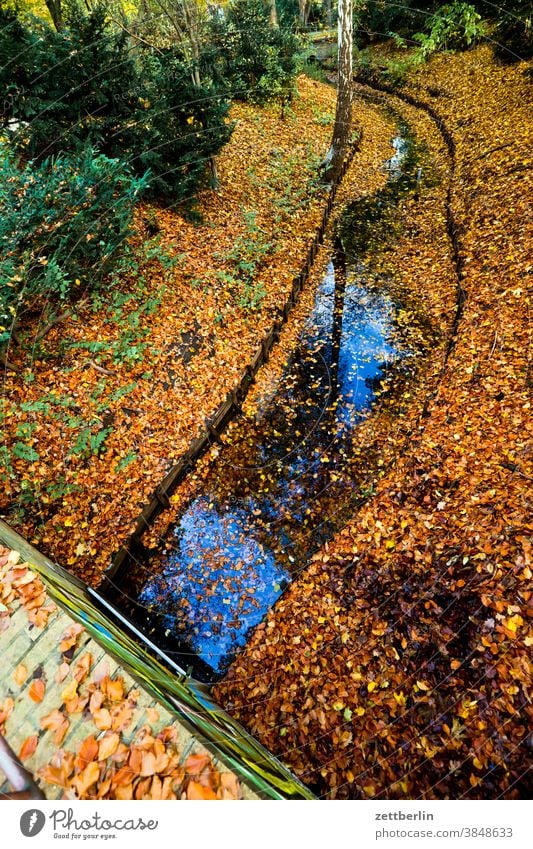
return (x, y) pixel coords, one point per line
(329, 13)
(56, 13)
(343, 114)
(304, 7)
(273, 13)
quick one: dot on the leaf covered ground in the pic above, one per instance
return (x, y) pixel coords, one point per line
(103, 405)
(397, 665)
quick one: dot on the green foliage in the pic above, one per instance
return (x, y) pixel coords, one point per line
(61, 224)
(90, 442)
(90, 85)
(252, 59)
(380, 19)
(25, 452)
(247, 255)
(451, 27)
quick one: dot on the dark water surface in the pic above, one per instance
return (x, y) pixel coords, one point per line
(281, 487)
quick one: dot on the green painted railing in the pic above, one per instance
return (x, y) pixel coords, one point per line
(189, 700)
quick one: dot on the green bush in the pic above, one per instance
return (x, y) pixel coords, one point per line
(91, 85)
(249, 57)
(62, 223)
(451, 27)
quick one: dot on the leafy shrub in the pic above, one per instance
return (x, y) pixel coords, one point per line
(252, 59)
(62, 223)
(90, 85)
(451, 27)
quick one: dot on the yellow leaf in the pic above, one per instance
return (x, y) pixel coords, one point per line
(21, 673)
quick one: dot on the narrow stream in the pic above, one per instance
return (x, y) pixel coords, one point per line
(283, 484)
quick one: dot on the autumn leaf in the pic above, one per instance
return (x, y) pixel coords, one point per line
(199, 792)
(21, 673)
(82, 667)
(107, 746)
(86, 779)
(37, 690)
(113, 688)
(87, 752)
(56, 722)
(28, 747)
(102, 719)
(62, 671)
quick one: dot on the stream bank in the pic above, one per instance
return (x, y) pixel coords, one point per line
(397, 665)
(292, 476)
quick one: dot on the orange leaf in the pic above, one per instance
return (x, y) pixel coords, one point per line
(87, 778)
(108, 746)
(114, 689)
(7, 709)
(197, 791)
(28, 747)
(124, 792)
(37, 689)
(230, 786)
(57, 722)
(121, 717)
(82, 667)
(70, 691)
(195, 764)
(123, 776)
(87, 752)
(54, 775)
(147, 764)
(152, 715)
(102, 719)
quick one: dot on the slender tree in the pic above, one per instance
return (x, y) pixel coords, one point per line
(56, 13)
(273, 13)
(343, 114)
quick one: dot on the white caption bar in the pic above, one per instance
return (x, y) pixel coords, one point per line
(276, 825)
